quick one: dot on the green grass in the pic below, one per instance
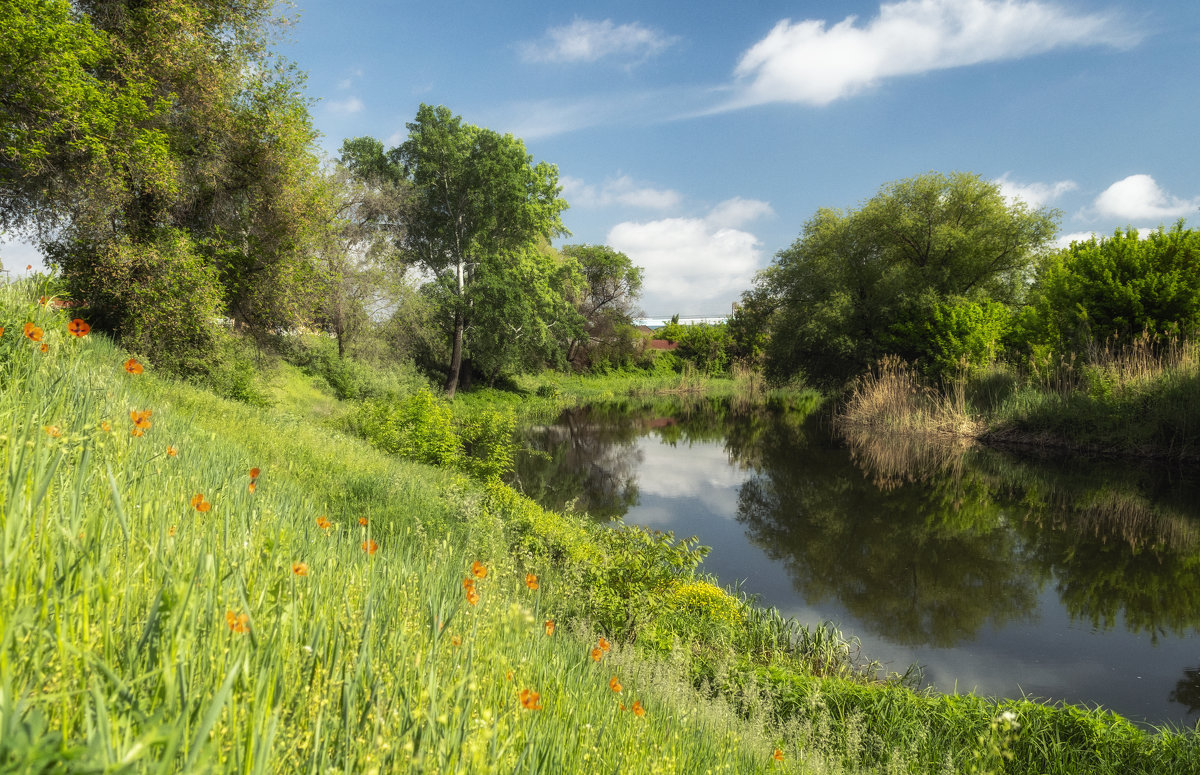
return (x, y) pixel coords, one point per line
(117, 596)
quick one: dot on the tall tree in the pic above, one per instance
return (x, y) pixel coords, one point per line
(478, 201)
(608, 295)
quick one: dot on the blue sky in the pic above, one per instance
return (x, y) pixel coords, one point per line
(699, 138)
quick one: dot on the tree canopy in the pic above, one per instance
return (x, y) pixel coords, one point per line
(923, 253)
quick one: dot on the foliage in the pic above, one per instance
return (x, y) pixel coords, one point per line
(948, 335)
(607, 299)
(1115, 289)
(480, 209)
(851, 277)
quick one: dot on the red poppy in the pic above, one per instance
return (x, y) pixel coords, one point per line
(549, 626)
(45, 347)
(254, 473)
(33, 332)
(323, 522)
(614, 684)
(778, 755)
(253, 486)
(478, 569)
(172, 452)
(133, 367)
(300, 568)
(237, 622)
(198, 502)
(529, 699)
(370, 547)
(638, 710)
(78, 327)
(531, 581)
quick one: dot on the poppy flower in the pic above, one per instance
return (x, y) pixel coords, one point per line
(508, 676)
(254, 473)
(597, 655)
(141, 419)
(300, 568)
(105, 425)
(136, 432)
(370, 547)
(478, 569)
(638, 710)
(531, 581)
(52, 430)
(45, 347)
(133, 367)
(172, 452)
(455, 640)
(549, 627)
(79, 327)
(362, 521)
(237, 622)
(253, 486)
(468, 583)
(529, 700)
(42, 300)
(603, 645)
(33, 332)
(1, 330)
(171, 530)
(198, 502)
(28, 267)
(472, 596)
(614, 684)
(323, 522)
(778, 755)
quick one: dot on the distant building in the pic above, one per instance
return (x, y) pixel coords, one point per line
(653, 323)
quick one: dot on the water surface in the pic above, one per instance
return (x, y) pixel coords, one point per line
(1057, 578)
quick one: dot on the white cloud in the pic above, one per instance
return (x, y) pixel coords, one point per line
(589, 41)
(693, 265)
(621, 190)
(1033, 194)
(348, 105)
(1140, 197)
(812, 63)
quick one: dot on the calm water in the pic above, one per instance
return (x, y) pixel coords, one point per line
(1054, 578)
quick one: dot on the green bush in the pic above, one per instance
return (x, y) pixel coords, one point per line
(949, 334)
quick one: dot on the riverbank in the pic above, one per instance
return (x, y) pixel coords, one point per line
(191, 583)
(1134, 403)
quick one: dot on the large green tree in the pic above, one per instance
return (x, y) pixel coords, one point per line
(856, 285)
(607, 297)
(480, 209)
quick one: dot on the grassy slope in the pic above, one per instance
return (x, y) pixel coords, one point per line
(116, 595)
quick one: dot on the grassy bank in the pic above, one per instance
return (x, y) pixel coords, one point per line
(239, 588)
(1142, 400)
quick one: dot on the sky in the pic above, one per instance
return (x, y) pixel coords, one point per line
(698, 138)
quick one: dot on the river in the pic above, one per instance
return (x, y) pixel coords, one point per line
(1052, 577)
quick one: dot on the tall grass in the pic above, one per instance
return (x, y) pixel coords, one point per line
(894, 396)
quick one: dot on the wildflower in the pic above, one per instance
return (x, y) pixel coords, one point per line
(171, 530)
(136, 432)
(133, 367)
(529, 700)
(778, 755)
(52, 430)
(253, 486)
(254, 472)
(370, 547)
(33, 333)
(472, 596)
(171, 451)
(45, 347)
(79, 328)
(199, 504)
(323, 522)
(42, 300)
(638, 710)
(105, 426)
(300, 568)
(238, 622)
(141, 420)
(614, 684)
(28, 267)
(478, 569)
(455, 640)
(603, 645)
(468, 583)
(531, 581)
(549, 627)
(508, 676)
(1, 330)
(362, 521)
(597, 654)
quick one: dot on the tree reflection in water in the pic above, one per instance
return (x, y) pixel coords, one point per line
(1187, 691)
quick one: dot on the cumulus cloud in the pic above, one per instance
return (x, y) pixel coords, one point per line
(810, 62)
(1033, 194)
(622, 190)
(348, 105)
(694, 265)
(589, 41)
(1139, 197)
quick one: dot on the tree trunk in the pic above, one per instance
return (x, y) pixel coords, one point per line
(457, 348)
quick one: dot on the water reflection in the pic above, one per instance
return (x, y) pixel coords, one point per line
(944, 549)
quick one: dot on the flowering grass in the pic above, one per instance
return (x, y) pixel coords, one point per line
(358, 613)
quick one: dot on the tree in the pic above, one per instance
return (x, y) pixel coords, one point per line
(1116, 288)
(607, 298)
(854, 285)
(479, 201)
